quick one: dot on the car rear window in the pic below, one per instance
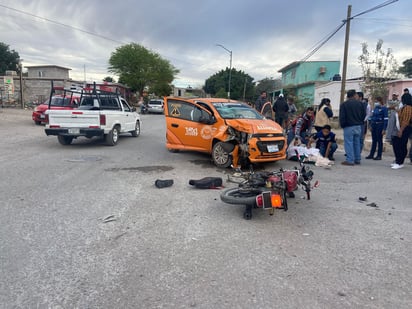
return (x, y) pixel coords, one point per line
(156, 102)
(56, 101)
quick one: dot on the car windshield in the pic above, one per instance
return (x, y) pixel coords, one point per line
(59, 101)
(236, 111)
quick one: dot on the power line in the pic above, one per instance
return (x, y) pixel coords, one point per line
(324, 41)
(61, 24)
(310, 54)
(375, 8)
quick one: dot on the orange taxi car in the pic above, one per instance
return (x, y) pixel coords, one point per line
(231, 131)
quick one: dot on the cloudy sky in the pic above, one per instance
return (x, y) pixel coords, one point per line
(263, 35)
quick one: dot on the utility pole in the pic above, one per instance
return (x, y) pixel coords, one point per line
(21, 83)
(345, 55)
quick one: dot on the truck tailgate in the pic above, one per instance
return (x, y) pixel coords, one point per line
(74, 118)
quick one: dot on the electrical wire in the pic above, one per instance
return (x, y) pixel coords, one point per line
(61, 24)
(323, 42)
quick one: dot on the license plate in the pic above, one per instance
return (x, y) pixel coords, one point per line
(74, 131)
(273, 148)
(42, 116)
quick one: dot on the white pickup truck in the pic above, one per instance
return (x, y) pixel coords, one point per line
(105, 115)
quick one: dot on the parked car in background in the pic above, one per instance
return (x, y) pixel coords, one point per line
(59, 102)
(231, 131)
(155, 106)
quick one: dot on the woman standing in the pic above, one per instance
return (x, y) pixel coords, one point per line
(379, 123)
(400, 141)
(323, 114)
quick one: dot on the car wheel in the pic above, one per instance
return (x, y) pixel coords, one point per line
(113, 136)
(220, 156)
(38, 122)
(136, 131)
(64, 140)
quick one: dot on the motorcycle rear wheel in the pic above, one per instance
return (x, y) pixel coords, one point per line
(240, 196)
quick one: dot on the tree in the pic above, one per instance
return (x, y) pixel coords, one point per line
(267, 84)
(378, 67)
(241, 85)
(140, 68)
(406, 69)
(109, 79)
(9, 59)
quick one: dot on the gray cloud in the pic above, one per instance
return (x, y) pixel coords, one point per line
(264, 35)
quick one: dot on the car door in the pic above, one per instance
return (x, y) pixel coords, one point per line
(128, 116)
(186, 124)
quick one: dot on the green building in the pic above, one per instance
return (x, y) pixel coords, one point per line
(300, 78)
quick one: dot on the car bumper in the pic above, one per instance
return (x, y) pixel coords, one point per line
(264, 150)
(155, 110)
(87, 132)
(38, 117)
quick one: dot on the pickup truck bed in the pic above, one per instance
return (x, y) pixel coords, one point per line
(108, 116)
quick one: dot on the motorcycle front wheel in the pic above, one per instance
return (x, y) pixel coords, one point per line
(240, 196)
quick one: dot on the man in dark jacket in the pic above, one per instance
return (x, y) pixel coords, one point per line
(351, 117)
(261, 101)
(281, 108)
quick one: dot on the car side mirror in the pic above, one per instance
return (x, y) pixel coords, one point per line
(133, 109)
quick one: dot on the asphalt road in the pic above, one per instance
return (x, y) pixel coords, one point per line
(181, 247)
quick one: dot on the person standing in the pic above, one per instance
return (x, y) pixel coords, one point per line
(379, 123)
(281, 108)
(404, 97)
(365, 124)
(393, 124)
(261, 101)
(323, 114)
(400, 142)
(351, 116)
(291, 111)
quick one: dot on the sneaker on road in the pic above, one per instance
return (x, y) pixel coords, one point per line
(397, 166)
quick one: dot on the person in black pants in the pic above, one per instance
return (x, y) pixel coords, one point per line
(379, 123)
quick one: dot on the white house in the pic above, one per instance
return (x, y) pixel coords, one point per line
(331, 90)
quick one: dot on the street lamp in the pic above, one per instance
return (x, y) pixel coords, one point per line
(230, 68)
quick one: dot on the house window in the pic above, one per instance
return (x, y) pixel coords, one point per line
(293, 74)
(42, 74)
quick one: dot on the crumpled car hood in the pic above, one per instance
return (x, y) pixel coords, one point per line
(254, 126)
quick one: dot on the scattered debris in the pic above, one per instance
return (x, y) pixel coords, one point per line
(341, 294)
(109, 219)
(372, 205)
(163, 183)
(363, 198)
(207, 183)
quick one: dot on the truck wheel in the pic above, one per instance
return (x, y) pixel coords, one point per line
(65, 140)
(113, 136)
(220, 156)
(136, 131)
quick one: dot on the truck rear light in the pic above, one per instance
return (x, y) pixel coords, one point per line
(102, 120)
(46, 118)
(77, 113)
(54, 126)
